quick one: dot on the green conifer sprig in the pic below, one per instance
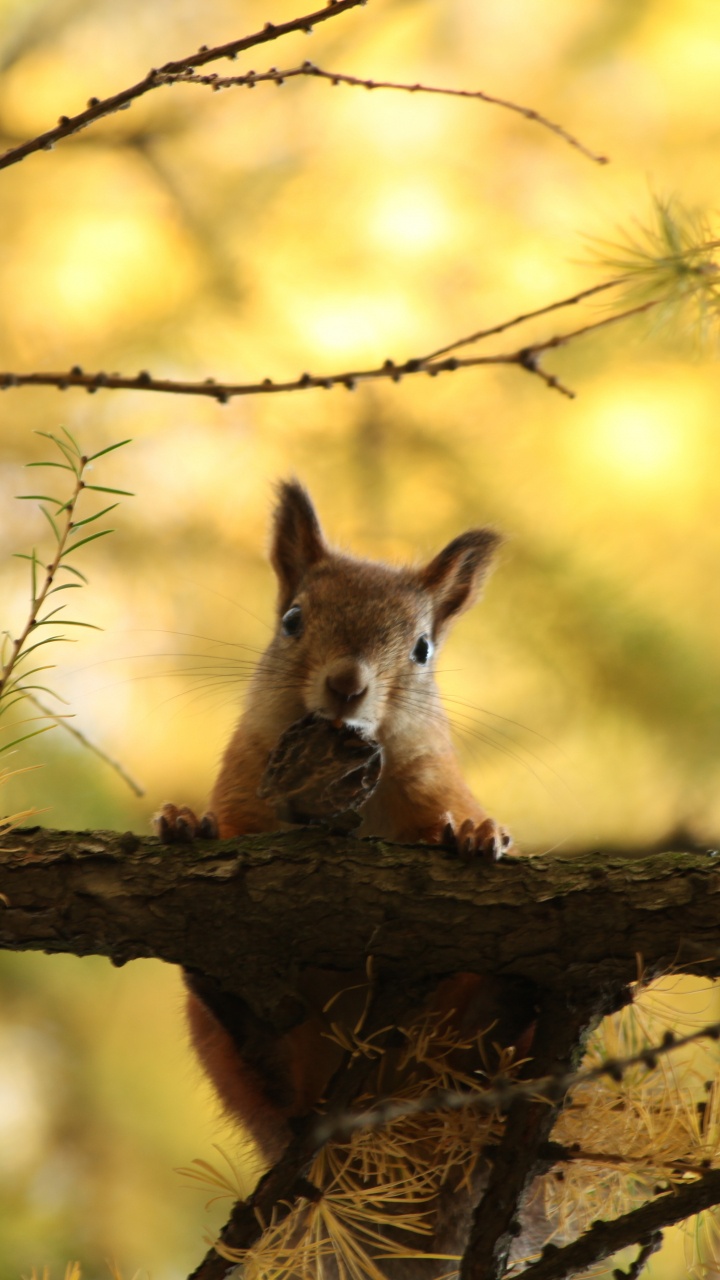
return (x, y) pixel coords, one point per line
(672, 261)
(22, 664)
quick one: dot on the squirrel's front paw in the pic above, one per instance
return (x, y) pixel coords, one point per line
(177, 824)
(486, 839)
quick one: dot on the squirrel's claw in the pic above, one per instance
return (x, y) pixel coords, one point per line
(177, 824)
(486, 839)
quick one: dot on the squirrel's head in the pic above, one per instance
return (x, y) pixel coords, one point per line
(356, 638)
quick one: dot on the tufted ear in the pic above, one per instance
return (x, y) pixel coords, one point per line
(297, 541)
(454, 578)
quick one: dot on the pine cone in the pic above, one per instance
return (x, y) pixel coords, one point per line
(321, 771)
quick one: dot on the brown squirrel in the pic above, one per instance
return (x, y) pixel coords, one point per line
(354, 645)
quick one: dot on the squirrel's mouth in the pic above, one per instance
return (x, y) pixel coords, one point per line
(355, 718)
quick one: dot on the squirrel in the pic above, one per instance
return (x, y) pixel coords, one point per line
(354, 645)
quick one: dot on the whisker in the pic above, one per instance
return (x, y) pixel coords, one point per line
(198, 672)
(203, 586)
(527, 750)
(496, 716)
(234, 672)
(551, 849)
(489, 738)
(201, 695)
(171, 653)
(196, 635)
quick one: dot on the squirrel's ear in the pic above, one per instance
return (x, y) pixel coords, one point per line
(454, 578)
(297, 541)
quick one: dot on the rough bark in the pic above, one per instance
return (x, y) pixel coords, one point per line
(250, 915)
(250, 912)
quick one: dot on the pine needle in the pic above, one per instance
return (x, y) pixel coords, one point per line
(673, 261)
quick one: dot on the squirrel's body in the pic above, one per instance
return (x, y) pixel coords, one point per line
(353, 663)
(354, 646)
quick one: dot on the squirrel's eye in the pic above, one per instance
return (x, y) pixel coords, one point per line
(292, 622)
(422, 650)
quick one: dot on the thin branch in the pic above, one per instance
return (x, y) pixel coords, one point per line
(527, 358)
(575, 1154)
(64, 723)
(284, 1182)
(480, 334)
(606, 1237)
(502, 1093)
(277, 76)
(62, 539)
(98, 108)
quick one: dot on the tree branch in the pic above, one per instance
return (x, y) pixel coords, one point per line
(98, 108)
(527, 358)
(566, 924)
(481, 334)
(496, 1222)
(285, 1181)
(605, 1237)
(277, 76)
(570, 926)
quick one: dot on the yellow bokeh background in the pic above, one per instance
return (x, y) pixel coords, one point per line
(250, 234)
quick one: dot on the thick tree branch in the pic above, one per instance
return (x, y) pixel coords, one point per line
(228, 909)
(496, 1222)
(572, 926)
(98, 108)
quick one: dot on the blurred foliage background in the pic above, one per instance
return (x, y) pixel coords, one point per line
(307, 226)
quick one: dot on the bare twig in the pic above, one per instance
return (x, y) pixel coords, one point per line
(98, 108)
(495, 329)
(527, 358)
(277, 76)
(64, 723)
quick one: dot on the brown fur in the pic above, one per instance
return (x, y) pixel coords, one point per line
(361, 621)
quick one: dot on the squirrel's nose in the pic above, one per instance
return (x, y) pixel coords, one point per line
(348, 682)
